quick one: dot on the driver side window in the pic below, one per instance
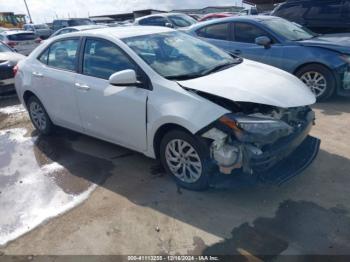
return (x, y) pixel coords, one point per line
(247, 33)
(103, 58)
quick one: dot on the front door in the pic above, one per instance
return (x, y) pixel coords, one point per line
(113, 113)
(244, 45)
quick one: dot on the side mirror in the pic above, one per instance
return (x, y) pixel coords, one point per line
(124, 78)
(169, 25)
(264, 41)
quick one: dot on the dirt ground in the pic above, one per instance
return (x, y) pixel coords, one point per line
(137, 210)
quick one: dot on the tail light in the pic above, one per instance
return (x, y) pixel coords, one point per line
(11, 44)
(15, 70)
(38, 40)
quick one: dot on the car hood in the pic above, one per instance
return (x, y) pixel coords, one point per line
(337, 42)
(11, 56)
(256, 83)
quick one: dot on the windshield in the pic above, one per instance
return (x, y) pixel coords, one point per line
(78, 22)
(289, 30)
(182, 20)
(4, 48)
(178, 56)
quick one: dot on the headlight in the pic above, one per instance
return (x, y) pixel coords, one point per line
(256, 129)
(345, 58)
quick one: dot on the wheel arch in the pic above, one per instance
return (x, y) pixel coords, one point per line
(26, 95)
(160, 133)
(312, 63)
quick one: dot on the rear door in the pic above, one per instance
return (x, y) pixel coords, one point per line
(114, 113)
(53, 78)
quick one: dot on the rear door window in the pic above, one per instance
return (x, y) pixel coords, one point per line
(155, 21)
(63, 54)
(293, 12)
(103, 58)
(217, 31)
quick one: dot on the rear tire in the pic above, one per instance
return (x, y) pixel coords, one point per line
(186, 158)
(319, 79)
(39, 116)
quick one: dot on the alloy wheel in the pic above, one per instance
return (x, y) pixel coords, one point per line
(38, 115)
(183, 161)
(315, 81)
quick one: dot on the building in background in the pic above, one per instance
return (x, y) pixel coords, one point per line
(263, 5)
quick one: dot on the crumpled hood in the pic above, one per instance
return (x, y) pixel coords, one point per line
(11, 56)
(256, 83)
(336, 42)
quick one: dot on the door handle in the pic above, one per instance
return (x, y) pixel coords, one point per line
(237, 52)
(37, 74)
(82, 86)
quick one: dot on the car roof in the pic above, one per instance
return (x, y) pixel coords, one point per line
(16, 32)
(159, 14)
(84, 27)
(247, 18)
(125, 31)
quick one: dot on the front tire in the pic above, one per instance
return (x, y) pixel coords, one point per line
(319, 79)
(39, 116)
(186, 158)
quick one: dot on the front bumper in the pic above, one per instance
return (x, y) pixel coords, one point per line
(292, 165)
(281, 149)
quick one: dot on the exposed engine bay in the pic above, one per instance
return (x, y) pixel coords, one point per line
(254, 136)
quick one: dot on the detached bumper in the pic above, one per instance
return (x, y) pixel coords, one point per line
(293, 165)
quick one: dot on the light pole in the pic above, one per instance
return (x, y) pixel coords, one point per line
(30, 17)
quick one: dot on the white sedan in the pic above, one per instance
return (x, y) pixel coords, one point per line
(172, 97)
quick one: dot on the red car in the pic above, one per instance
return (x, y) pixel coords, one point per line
(215, 16)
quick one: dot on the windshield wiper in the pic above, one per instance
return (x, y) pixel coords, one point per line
(218, 68)
(183, 77)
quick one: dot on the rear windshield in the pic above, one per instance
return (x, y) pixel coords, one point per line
(21, 37)
(41, 27)
(80, 22)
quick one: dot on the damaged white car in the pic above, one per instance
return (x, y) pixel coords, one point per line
(172, 97)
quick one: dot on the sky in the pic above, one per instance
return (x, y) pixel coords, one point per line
(47, 10)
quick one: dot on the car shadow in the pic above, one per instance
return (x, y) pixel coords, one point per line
(335, 106)
(141, 181)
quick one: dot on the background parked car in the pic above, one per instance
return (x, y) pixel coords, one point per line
(321, 16)
(62, 23)
(41, 30)
(320, 62)
(8, 60)
(23, 42)
(172, 20)
(67, 30)
(249, 11)
(215, 16)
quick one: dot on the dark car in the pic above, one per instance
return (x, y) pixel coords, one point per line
(322, 62)
(320, 16)
(8, 60)
(62, 23)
